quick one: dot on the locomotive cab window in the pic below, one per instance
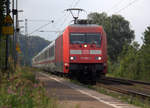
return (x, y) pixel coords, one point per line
(77, 38)
(85, 38)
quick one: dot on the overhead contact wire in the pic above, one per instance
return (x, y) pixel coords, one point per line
(40, 27)
(71, 6)
(131, 3)
(116, 5)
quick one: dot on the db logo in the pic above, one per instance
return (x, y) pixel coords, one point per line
(85, 52)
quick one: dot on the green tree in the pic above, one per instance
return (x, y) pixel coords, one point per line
(117, 30)
(30, 47)
(134, 62)
(146, 39)
(145, 55)
(129, 62)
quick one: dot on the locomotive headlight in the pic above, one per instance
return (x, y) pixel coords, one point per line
(85, 46)
(71, 58)
(98, 58)
(66, 64)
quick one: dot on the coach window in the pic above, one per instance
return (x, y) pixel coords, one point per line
(48, 52)
(45, 55)
(52, 50)
(42, 57)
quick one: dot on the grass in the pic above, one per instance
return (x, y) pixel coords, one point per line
(22, 90)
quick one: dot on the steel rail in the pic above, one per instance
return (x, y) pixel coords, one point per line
(123, 90)
(126, 80)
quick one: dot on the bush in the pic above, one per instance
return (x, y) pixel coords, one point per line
(22, 90)
(133, 63)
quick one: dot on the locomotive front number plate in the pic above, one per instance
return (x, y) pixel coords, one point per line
(85, 58)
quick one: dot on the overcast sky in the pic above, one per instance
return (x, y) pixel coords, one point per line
(135, 11)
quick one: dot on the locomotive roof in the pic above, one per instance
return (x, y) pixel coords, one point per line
(84, 25)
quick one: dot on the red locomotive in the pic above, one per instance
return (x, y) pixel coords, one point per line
(80, 51)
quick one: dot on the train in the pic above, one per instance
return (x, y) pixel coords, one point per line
(80, 51)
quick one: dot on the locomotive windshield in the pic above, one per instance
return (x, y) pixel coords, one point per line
(85, 38)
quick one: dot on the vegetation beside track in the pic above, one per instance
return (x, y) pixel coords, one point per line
(22, 90)
(134, 61)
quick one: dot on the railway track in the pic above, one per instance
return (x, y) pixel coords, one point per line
(128, 87)
(127, 81)
(125, 86)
